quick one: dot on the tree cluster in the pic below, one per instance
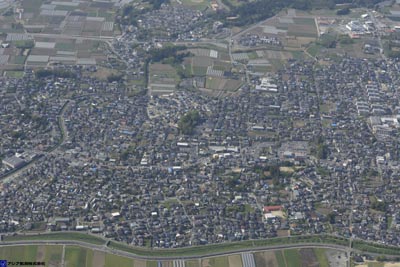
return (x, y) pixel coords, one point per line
(168, 53)
(321, 149)
(59, 73)
(129, 14)
(343, 11)
(189, 121)
(254, 11)
(114, 78)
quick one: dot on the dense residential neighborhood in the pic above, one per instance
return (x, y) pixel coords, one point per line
(165, 125)
(122, 167)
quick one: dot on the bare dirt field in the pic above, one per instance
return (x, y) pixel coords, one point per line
(140, 263)
(235, 261)
(266, 258)
(308, 258)
(98, 258)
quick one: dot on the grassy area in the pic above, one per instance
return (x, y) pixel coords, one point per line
(304, 21)
(219, 262)
(292, 257)
(151, 264)
(59, 236)
(252, 55)
(89, 258)
(375, 248)
(389, 221)
(53, 255)
(75, 256)
(31, 5)
(277, 64)
(192, 263)
(19, 253)
(19, 60)
(280, 258)
(314, 49)
(196, 4)
(199, 71)
(14, 74)
(65, 46)
(297, 55)
(114, 260)
(322, 259)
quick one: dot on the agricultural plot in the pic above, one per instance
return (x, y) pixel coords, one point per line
(113, 260)
(216, 262)
(301, 30)
(73, 18)
(76, 256)
(293, 32)
(210, 63)
(85, 18)
(212, 52)
(19, 253)
(84, 257)
(192, 263)
(266, 258)
(200, 65)
(235, 261)
(14, 74)
(217, 83)
(292, 257)
(240, 56)
(163, 79)
(195, 4)
(248, 260)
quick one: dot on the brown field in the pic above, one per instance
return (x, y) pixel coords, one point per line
(41, 252)
(299, 124)
(103, 73)
(205, 263)
(308, 258)
(283, 233)
(299, 41)
(215, 83)
(167, 264)
(200, 52)
(160, 67)
(202, 61)
(192, 263)
(98, 258)
(266, 258)
(139, 263)
(302, 30)
(392, 264)
(281, 55)
(235, 261)
(163, 74)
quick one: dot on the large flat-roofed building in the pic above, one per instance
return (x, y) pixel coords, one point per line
(13, 162)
